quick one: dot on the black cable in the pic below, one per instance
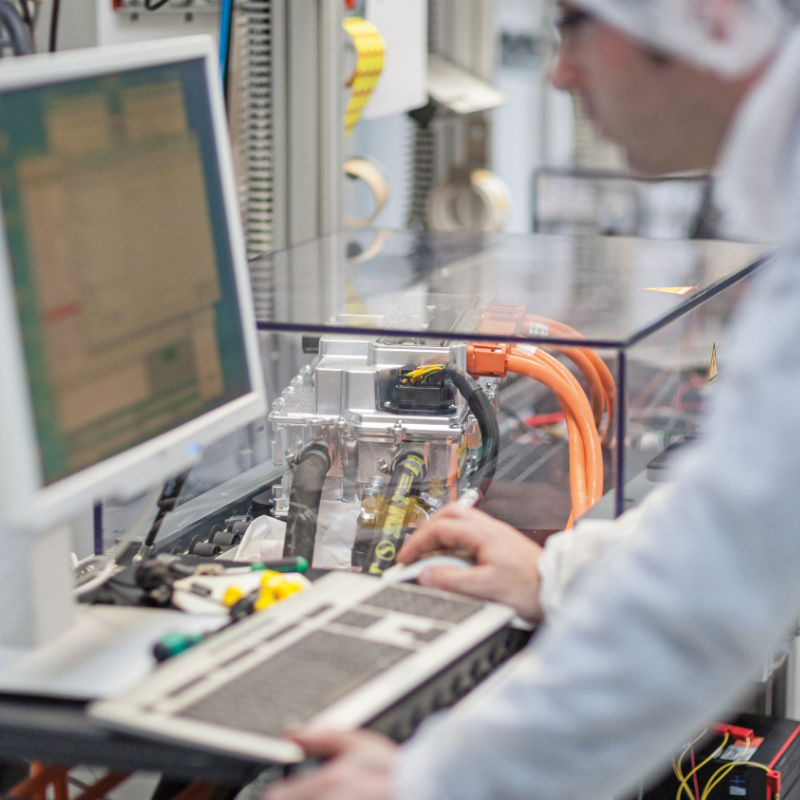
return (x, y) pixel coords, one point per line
(308, 476)
(481, 407)
(18, 33)
(165, 503)
(154, 6)
(54, 25)
(128, 599)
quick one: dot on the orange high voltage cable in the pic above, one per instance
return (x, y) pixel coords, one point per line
(591, 439)
(585, 453)
(34, 787)
(577, 469)
(511, 321)
(43, 776)
(597, 392)
(595, 370)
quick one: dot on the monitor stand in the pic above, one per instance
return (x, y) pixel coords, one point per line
(50, 645)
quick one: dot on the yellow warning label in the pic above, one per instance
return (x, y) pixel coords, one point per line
(680, 290)
(713, 370)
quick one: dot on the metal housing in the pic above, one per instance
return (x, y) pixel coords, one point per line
(337, 399)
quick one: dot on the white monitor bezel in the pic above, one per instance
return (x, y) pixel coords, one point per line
(25, 501)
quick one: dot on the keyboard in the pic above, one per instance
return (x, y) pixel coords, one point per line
(333, 657)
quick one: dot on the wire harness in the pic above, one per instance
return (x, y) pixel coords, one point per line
(719, 775)
(481, 407)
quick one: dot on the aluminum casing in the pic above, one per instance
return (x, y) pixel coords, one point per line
(337, 399)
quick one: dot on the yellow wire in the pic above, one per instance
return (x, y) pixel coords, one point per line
(684, 780)
(717, 778)
(679, 775)
(725, 770)
(677, 768)
(746, 748)
(420, 372)
(427, 368)
(684, 783)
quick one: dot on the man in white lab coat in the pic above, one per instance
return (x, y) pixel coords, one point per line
(649, 638)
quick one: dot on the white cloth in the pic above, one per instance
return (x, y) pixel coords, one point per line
(728, 36)
(753, 182)
(667, 634)
(571, 555)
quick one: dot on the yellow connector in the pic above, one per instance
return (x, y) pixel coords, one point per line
(265, 599)
(233, 594)
(280, 585)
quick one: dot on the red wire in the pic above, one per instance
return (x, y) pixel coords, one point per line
(694, 775)
(538, 420)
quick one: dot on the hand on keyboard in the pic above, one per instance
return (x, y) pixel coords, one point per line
(360, 768)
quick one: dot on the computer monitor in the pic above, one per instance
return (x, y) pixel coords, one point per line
(127, 334)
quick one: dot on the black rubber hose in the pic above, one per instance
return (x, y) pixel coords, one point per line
(407, 477)
(308, 476)
(20, 37)
(481, 406)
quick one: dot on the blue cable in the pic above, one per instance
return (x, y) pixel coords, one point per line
(225, 15)
(99, 545)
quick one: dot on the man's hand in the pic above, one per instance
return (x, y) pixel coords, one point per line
(506, 568)
(360, 769)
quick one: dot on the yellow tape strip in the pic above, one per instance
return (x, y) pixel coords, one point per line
(370, 50)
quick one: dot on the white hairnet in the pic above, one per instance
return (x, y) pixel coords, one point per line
(727, 36)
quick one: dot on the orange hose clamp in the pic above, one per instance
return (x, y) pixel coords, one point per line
(487, 360)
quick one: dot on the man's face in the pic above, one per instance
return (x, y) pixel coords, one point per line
(667, 114)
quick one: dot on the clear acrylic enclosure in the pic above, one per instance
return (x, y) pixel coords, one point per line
(547, 373)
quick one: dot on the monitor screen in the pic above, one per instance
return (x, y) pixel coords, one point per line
(117, 235)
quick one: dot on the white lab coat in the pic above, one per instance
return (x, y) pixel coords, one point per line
(664, 633)
(571, 555)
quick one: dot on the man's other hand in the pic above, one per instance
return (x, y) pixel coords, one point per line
(506, 561)
(360, 768)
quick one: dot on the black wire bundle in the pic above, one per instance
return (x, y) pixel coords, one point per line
(17, 29)
(481, 406)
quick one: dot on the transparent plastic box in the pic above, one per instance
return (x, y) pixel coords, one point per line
(348, 322)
